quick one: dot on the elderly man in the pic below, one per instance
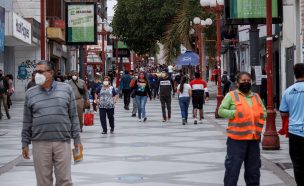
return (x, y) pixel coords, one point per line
(50, 121)
(81, 94)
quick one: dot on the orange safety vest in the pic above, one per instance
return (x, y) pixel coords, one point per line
(248, 121)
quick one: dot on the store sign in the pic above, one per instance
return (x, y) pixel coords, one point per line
(22, 29)
(2, 28)
(243, 12)
(57, 49)
(81, 27)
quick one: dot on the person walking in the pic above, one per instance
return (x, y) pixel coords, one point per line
(32, 82)
(94, 86)
(142, 91)
(106, 97)
(81, 94)
(215, 74)
(246, 114)
(200, 94)
(292, 107)
(10, 90)
(4, 87)
(166, 87)
(50, 121)
(133, 95)
(153, 81)
(125, 88)
(184, 94)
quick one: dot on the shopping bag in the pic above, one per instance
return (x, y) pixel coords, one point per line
(88, 119)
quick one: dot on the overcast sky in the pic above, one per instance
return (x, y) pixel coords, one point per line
(111, 4)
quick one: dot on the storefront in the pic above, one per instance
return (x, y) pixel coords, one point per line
(21, 53)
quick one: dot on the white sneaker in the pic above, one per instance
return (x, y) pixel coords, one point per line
(139, 120)
(200, 121)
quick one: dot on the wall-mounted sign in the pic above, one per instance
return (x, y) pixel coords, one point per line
(57, 50)
(2, 28)
(81, 27)
(22, 29)
(245, 12)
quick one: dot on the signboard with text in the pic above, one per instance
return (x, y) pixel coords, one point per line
(22, 29)
(246, 12)
(81, 27)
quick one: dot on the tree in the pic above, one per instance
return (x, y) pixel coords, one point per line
(141, 23)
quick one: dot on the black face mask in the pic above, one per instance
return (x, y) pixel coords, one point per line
(245, 87)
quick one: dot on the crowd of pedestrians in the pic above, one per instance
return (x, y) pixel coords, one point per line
(60, 106)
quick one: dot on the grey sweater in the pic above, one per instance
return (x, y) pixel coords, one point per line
(50, 115)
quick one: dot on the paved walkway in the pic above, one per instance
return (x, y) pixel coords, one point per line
(151, 153)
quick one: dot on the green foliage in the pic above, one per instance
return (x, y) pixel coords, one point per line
(144, 23)
(141, 23)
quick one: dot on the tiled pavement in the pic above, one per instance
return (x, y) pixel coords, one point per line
(146, 154)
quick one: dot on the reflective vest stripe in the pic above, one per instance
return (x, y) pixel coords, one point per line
(243, 133)
(237, 98)
(240, 114)
(257, 98)
(262, 116)
(245, 124)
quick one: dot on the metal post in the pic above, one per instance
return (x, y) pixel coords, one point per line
(200, 53)
(271, 139)
(103, 52)
(116, 62)
(219, 48)
(42, 28)
(81, 62)
(254, 53)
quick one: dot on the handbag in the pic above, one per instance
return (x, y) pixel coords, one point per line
(81, 90)
(88, 119)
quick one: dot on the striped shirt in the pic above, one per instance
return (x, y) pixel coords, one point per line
(50, 115)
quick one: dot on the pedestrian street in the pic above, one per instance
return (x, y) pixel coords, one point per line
(150, 153)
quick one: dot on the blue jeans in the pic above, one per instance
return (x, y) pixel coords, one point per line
(141, 104)
(184, 105)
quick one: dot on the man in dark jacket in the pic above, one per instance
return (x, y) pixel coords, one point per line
(125, 88)
(3, 95)
(165, 87)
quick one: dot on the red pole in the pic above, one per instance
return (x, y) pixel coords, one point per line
(42, 29)
(116, 61)
(103, 53)
(200, 53)
(271, 139)
(220, 97)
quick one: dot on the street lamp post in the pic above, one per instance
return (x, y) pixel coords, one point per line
(199, 26)
(271, 139)
(103, 30)
(217, 6)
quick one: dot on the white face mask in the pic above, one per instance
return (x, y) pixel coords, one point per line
(106, 83)
(40, 79)
(74, 78)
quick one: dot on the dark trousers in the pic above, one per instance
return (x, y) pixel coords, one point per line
(239, 151)
(103, 113)
(126, 94)
(296, 151)
(166, 102)
(154, 91)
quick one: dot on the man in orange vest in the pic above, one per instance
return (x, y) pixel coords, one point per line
(246, 114)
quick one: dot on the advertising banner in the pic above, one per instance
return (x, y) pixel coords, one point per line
(243, 12)
(81, 27)
(22, 29)
(2, 28)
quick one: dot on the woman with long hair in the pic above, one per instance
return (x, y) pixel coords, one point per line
(184, 93)
(106, 97)
(142, 91)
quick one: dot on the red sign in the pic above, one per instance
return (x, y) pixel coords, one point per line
(58, 23)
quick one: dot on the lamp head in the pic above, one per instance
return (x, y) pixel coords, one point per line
(196, 20)
(205, 3)
(208, 21)
(220, 2)
(213, 3)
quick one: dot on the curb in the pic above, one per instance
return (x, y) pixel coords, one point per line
(8, 166)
